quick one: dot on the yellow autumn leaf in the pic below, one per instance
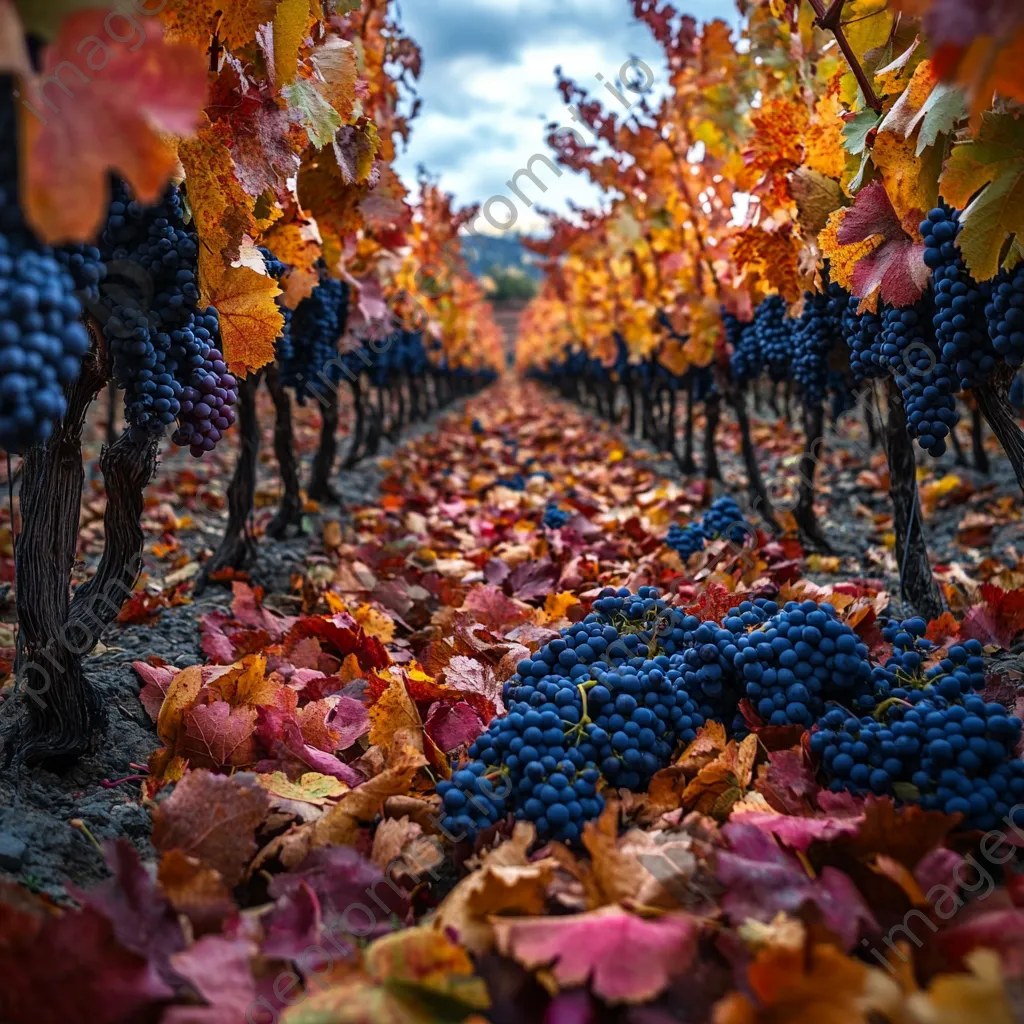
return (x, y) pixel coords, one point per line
(556, 605)
(823, 142)
(912, 190)
(250, 320)
(375, 623)
(290, 25)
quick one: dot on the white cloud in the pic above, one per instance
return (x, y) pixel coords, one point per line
(488, 89)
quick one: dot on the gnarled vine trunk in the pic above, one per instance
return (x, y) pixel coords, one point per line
(63, 715)
(289, 512)
(916, 581)
(236, 546)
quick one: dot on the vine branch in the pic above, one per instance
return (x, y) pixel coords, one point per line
(829, 18)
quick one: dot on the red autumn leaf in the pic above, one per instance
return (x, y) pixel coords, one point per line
(293, 924)
(982, 623)
(281, 735)
(219, 970)
(140, 608)
(70, 968)
(142, 918)
(218, 735)
(762, 879)
(533, 579)
(213, 818)
(945, 627)
(342, 878)
(340, 639)
(1001, 930)
(155, 680)
(351, 719)
(795, 831)
(787, 782)
(451, 726)
(624, 958)
(216, 644)
(490, 607)
(896, 265)
(114, 103)
(247, 607)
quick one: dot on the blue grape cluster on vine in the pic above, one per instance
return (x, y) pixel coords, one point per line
(165, 348)
(1004, 315)
(813, 337)
(745, 363)
(310, 359)
(42, 337)
(959, 321)
(773, 331)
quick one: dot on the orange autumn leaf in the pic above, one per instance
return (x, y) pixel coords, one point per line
(824, 143)
(195, 21)
(250, 320)
(113, 111)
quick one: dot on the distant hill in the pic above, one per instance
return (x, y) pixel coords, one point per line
(485, 253)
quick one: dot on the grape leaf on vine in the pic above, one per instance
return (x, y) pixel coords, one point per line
(115, 116)
(991, 169)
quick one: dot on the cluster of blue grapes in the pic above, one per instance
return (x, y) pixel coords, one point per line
(283, 350)
(554, 517)
(1004, 315)
(165, 348)
(312, 356)
(773, 331)
(814, 335)
(959, 302)
(42, 338)
(602, 701)
(745, 363)
(862, 333)
(723, 519)
(925, 381)
(929, 738)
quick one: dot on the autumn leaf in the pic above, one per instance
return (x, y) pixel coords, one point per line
(624, 958)
(195, 21)
(869, 251)
(291, 22)
(112, 112)
(989, 168)
(250, 320)
(819, 986)
(416, 976)
(214, 818)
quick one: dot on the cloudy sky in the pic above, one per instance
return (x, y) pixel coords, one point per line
(488, 85)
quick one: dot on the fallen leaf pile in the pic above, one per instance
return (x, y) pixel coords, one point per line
(302, 873)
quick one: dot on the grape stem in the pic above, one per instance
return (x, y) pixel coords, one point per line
(830, 19)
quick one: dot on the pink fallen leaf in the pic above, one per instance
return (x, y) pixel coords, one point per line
(281, 735)
(219, 970)
(451, 726)
(625, 958)
(798, 832)
(762, 879)
(155, 679)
